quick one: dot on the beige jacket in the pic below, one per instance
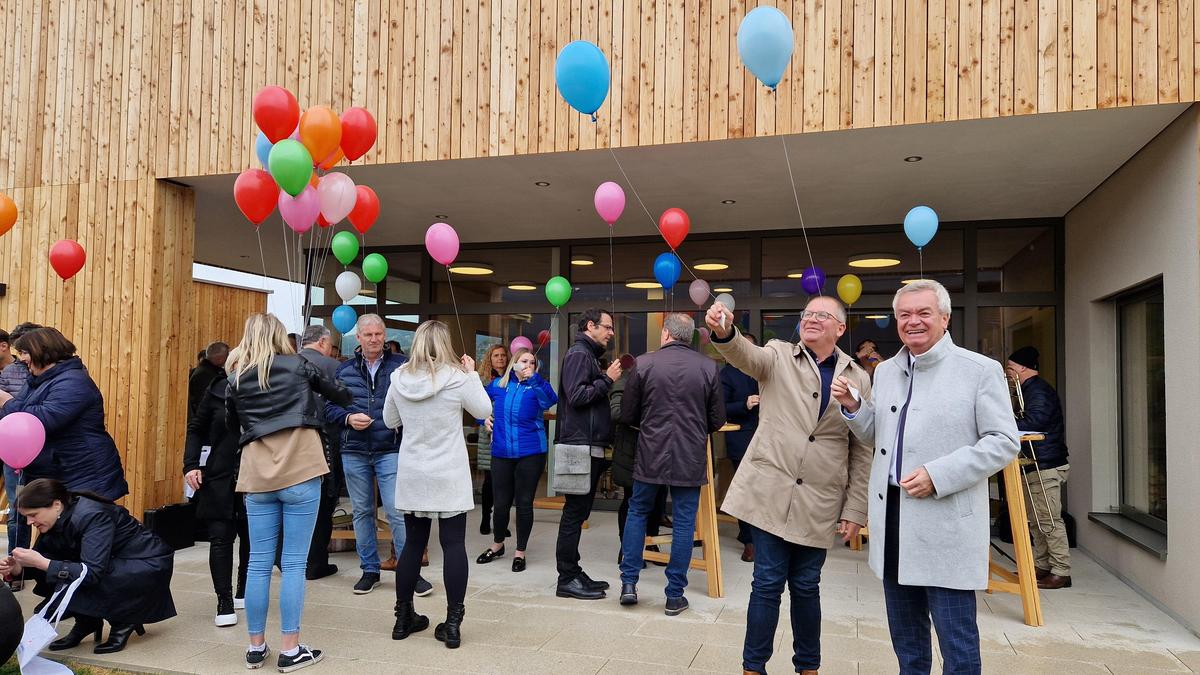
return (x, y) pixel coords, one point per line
(801, 474)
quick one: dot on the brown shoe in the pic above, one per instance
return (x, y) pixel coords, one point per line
(1053, 581)
(389, 565)
(748, 553)
(1041, 573)
(425, 558)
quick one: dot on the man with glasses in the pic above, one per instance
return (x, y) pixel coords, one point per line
(803, 478)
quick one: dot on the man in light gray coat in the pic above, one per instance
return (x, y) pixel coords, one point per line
(941, 423)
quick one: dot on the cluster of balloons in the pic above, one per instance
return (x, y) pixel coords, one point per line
(21, 439)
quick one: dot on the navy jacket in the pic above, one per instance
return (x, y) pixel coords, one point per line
(78, 450)
(736, 387)
(369, 394)
(1043, 412)
(519, 429)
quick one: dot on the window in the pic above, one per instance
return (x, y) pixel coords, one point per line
(1143, 449)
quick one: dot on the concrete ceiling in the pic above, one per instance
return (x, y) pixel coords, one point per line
(1018, 167)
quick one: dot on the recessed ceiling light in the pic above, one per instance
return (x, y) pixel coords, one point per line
(913, 158)
(471, 269)
(876, 316)
(712, 264)
(723, 289)
(772, 317)
(522, 286)
(542, 183)
(875, 260)
(905, 282)
(440, 216)
(642, 284)
(581, 260)
(728, 201)
(795, 274)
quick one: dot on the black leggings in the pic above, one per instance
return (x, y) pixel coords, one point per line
(517, 477)
(220, 553)
(452, 532)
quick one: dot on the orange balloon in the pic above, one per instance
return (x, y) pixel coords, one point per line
(8, 213)
(332, 160)
(314, 181)
(320, 131)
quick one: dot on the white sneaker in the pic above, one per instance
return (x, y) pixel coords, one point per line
(225, 614)
(226, 620)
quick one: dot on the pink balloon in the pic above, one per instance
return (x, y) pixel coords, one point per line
(520, 342)
(336, 195)
(705, 336)
(21, 439)
(442, 243)
(610, 202)
(300, 212)
(698, 292)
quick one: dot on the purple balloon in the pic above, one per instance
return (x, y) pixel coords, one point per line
(813, 280)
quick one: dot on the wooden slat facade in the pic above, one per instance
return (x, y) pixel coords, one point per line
(221, 313)
(105, 97)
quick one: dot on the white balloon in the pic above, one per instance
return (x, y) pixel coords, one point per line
(348, 285)
(727, 300)
(337, 195)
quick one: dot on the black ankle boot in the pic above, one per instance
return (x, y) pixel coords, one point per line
(408, 621)
(118, 637)
(450, 632)
(84, 626)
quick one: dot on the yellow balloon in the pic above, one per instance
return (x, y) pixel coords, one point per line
(849, 289)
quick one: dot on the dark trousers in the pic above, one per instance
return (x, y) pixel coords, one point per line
(452, 533)
(576, 509)
(653, 522)
(777, 562)
(487, 495)
(331, 488)
(745, 534)
(909, 609)
(515, 480)
(221, 534)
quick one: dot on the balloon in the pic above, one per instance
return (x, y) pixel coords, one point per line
(21, 439)
(345, 247)
(276, 112)
(291, 166)
(321, 219)
(320, 131)
(558, 291)
(699, 292)
(920, 225)
(256, 195)
(300, 213)
(705, 335)
(442, 243)
(8, 213)
(358, 132)
(667, 269)
(543, 338)
(366, 209)
(347, 285)
(883, 322)
(581, 72)
(332, 160)
(262, 148)
(627, 361)
(812, 280)
(674, 225)
(727, 300)
(344, 318)
(337, 195)
(610, 202)
(375, 267)
(765, 43)
(519, 342)
(849, 288)
(67, 258)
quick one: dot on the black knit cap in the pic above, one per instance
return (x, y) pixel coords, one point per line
(1025, 356)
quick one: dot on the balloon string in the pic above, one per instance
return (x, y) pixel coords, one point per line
(261, 257)
(457, 320)
(612, 284)
(921, 260)
(796, 197)
(287, 258)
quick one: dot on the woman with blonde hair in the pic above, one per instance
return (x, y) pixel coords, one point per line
(433, 475)
(273, 403)
(495, 361)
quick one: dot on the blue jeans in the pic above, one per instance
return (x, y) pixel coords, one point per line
(10, 490)
(294, 509)
(363, 470)
(684, 501)
(777, 561)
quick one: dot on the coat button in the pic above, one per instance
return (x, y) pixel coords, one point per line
(893, 408)
(883, 451)
(799, 481)
(816, 395)
(879, 495)
(811, 439)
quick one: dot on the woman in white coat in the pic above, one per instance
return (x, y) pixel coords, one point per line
(428, 395)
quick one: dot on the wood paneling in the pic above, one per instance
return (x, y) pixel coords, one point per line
(220, 313)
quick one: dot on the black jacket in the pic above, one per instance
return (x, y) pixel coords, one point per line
(625, 438)
(583, 414)
(1043, 412)
(736, 387)
(291, 401)
(674, 398)
(201, 377)
(215, 500)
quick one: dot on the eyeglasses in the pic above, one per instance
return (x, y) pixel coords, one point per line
(607, 327)
(819, 316)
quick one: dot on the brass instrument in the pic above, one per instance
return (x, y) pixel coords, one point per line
(1029, 458)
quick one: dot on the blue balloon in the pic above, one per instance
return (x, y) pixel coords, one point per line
(812, 280)
(765, 43)
(667, 269)
(581, 72)
(883, 323)
(344, 318)
(920, 225)
(262, 147)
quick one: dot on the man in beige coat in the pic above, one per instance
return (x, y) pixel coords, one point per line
(804, 476)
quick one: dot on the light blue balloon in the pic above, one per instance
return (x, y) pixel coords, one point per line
(765, 43)
(581, 72)
(883, 323)
(667, 269)
(920, 225)
(344, 318)
(262, 148)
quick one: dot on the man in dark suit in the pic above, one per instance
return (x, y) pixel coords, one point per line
(741, 408)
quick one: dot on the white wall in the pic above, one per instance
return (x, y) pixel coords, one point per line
(1139, 224)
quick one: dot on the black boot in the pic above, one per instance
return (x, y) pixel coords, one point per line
(407, 620)
(118, 637)
(84, 626)
(450, 632)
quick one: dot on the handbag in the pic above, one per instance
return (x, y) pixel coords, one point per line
(40, 631)
(572, 469)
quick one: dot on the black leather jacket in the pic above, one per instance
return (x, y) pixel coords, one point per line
(289, 401)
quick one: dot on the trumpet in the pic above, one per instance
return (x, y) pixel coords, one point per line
(1025, 458)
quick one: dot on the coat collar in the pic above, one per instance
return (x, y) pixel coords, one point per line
(72, 363)
(927, 360)
(596, 348)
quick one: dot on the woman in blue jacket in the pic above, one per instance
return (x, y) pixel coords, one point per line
(518, 449)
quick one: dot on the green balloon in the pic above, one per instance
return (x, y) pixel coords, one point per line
(558, 291)
(345, 247)
(374, 267)
(291, 166)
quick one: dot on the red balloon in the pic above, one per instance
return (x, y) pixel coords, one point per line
(366, 209)
(358, 132)
(276, 112)
(322, 222)
(256, 194)
(67, 258)
(543, 338)
(674, 225)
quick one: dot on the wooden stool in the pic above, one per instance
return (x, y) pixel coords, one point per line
(383, 533)
(1023, 582)
(554, 503)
